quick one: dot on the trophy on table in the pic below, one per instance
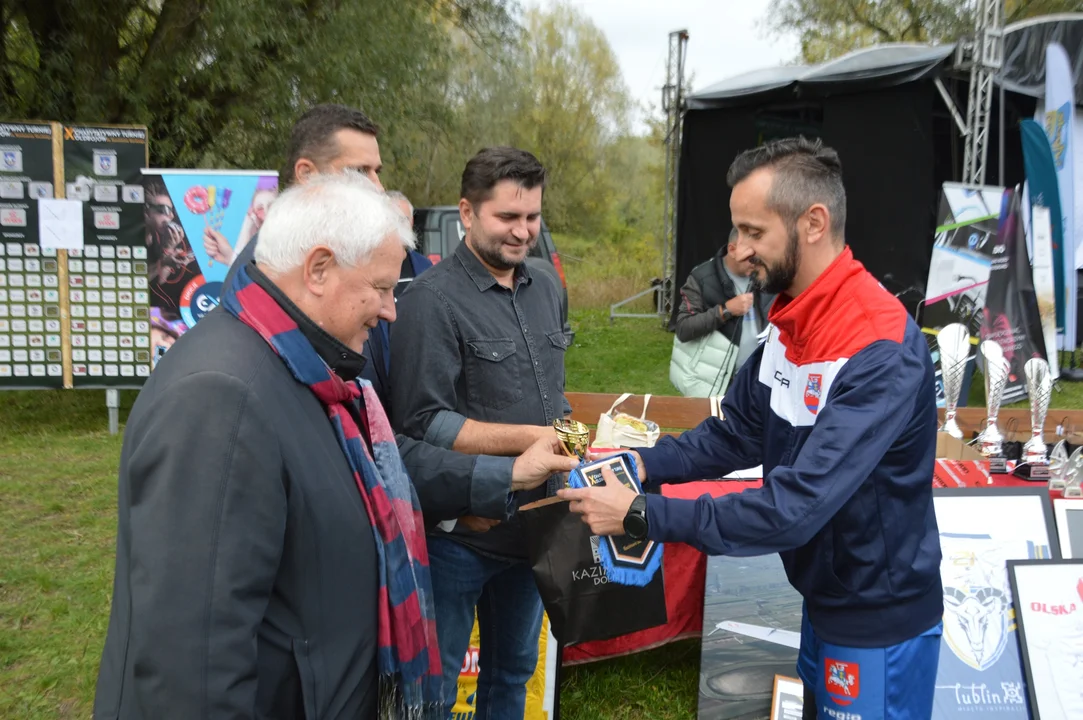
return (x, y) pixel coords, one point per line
(1073, 475)
(1058, 465)
(1040, 389)
(991, 441)
(953, 341)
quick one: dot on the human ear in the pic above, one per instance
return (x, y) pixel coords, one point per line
(318, 264)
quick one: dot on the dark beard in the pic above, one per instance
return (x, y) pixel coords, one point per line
(493, 258)
(779, 278)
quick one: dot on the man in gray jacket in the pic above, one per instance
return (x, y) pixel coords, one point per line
(252, 552)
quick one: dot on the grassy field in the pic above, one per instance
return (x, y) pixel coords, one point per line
(58, 470)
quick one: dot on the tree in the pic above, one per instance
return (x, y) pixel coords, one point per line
(829, 28)
(220, 82)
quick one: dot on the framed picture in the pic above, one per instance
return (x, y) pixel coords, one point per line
(1048, 600)
(788, 698)
(981, 529)
(1069, 514)
(751, 634)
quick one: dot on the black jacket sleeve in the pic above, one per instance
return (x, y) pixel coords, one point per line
(694, 318)
(204, 502)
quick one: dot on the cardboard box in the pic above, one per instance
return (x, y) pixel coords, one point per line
(949, 448)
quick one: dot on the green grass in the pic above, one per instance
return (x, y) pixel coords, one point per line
(58, 475)
(58, 469)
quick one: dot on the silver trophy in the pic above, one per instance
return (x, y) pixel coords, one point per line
(953, 341)
(991, 441)
(1073, 475)
(1040, 389)
(1058, 465)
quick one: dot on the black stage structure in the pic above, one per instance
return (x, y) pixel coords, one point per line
(881, 109)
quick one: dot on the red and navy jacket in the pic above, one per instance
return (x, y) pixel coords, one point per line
(839, 406)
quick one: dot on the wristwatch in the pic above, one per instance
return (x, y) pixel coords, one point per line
(726, 314)
(635, 522)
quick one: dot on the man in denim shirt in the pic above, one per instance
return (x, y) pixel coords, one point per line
(477, 365)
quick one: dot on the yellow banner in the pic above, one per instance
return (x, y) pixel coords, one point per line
(540, 691)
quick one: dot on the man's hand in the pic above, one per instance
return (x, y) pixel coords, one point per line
(603, 507)
(477, 524)
(540, 460)
(739, 305)
(640, 470)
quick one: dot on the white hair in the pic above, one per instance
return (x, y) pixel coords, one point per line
(400, 197)
(344, 211)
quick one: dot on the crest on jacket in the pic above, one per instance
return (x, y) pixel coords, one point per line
(813, 390)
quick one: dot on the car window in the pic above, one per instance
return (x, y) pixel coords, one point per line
(452, 232)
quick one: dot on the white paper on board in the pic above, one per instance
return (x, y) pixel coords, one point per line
(60, 224)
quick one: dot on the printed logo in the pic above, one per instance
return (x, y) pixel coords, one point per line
(843, 680)
(1056, 128)
(812, 392)
(105, 162)
(781, 379)
(13, 160)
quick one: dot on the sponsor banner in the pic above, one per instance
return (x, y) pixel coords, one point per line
(197, 222)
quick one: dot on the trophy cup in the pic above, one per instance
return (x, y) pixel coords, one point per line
(1073, 475)
(953, 342)
(990, 441)
(1039, 388)
(574, 437)
(1058, 465)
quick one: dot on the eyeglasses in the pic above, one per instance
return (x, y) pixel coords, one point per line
(161, 209)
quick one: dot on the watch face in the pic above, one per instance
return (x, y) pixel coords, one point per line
(636, 526)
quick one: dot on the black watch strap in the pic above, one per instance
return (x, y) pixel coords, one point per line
(635, 522)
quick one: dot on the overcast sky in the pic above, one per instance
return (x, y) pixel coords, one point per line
(724, 39)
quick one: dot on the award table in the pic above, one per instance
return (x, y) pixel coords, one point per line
(685, 568)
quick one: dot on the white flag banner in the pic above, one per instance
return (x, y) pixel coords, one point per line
(1060, 126)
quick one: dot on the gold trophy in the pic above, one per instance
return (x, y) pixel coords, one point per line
(574, 437)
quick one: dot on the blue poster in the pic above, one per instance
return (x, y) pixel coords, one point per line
(1043, 190)
(197, 222)
(980, 674)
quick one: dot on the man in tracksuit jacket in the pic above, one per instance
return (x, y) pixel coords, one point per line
(838, 405)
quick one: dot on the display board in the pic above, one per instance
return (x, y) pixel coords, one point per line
(30, 301)
(107, 279)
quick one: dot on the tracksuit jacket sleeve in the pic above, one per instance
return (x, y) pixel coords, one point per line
(869, 404)
(715, 447)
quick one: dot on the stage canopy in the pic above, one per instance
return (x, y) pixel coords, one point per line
(880, 109)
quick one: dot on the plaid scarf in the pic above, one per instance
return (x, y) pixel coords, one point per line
(407, 654)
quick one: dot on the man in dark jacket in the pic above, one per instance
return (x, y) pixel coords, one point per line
(721, 295)
(839, 406)
(257, 494)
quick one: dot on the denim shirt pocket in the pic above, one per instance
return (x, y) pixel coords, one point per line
(492, 374)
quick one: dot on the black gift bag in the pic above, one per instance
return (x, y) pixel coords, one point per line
(583, 606)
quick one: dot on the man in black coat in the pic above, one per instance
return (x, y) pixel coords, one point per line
(247, 576)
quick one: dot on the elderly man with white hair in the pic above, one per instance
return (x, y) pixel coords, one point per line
(271, 557)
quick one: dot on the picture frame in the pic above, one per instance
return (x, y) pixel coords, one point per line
(1048, 599)
(1069, 516)
(980, 673)
(787, 698)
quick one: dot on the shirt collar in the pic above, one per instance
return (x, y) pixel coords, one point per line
(345, 363)
(480, 274)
